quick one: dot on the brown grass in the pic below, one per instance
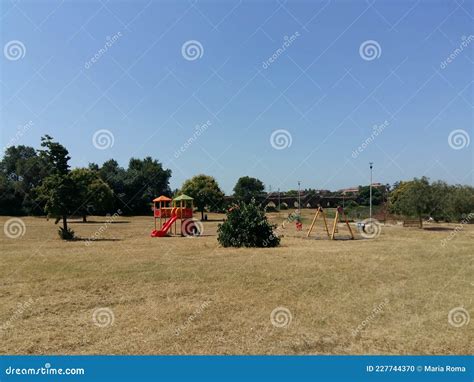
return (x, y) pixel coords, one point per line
(189, 296)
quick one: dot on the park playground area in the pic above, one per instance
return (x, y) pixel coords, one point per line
(128, 293)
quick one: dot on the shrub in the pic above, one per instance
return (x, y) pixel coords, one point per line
(283, 206)
(66, 234)
(247, 226)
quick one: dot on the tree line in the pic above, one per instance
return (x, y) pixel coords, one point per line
(40, 181)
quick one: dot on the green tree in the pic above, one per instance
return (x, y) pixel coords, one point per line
(246, 225)
(205, 191)
(145, 179)
(55, 155)
(363, 198)
(57, 191)
(92, 194)
(22, 170)
(248, 188)
(413, 198)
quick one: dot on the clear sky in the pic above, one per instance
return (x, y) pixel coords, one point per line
(338, 69)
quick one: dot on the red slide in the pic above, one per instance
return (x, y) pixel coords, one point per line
(162, 232)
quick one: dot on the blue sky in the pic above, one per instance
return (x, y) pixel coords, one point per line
(319, 99)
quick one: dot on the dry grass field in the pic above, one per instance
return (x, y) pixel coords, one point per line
(127, 293)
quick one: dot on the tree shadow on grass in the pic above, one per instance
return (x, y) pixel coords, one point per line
(100, 222)
(89, 240)
(438, 228)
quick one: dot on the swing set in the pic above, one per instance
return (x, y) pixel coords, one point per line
(340, 217)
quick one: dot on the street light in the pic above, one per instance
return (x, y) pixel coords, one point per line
(370, 191)
(299, 195)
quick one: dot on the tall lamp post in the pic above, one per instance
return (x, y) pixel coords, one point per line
(371, 164)
(299, 196)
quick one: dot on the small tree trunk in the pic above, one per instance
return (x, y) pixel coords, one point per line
(202, 215)
(65, 223)
(84, 218)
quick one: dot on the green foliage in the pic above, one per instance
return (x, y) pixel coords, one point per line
(93, 195)
(248, 188)
(412, 198)
(247, 226)
(363, 198)
(66, 234)
(205, 191)
(283, 206)
(437, 200)
(135, 187)
(55, 155)
(21, 170)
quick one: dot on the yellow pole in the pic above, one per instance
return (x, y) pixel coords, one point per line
(314, 221)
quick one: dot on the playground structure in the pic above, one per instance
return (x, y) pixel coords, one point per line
(169, 211)
(340, 217)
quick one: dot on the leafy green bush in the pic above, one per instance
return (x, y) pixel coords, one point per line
(66, 234)
(247, 226)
